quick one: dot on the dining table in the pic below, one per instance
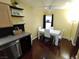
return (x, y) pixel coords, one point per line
(57, 34)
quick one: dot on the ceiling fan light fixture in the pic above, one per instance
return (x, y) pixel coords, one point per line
(49, 8)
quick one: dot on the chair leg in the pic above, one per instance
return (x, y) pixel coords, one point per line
(51, 41)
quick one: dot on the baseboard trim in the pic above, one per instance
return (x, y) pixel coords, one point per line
(74, 44)
(34, 38)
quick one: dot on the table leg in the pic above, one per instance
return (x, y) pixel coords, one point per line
(56, 40)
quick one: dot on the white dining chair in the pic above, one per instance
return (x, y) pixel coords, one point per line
(47, 36)
(47, 33)
(38, 33)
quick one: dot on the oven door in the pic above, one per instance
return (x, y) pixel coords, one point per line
(11, 51)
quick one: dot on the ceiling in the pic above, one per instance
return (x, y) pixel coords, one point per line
(54, 4)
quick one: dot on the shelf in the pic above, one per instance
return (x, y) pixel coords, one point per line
(16, 16)
(14, 7)
(18, 24)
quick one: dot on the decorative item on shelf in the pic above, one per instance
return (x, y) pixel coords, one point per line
(16, 11)
(15, 3)
(17, 31)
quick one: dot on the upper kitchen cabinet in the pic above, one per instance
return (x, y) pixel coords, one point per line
(6, 1)
(5, 16)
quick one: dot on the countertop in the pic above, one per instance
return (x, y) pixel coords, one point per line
(11, 38)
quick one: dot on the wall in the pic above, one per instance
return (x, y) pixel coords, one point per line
(61, 23)
(37, 20)
(32, 18)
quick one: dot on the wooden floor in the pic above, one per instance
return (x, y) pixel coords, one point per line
(41, 50)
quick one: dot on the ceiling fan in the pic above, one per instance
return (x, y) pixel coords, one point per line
(54, 4)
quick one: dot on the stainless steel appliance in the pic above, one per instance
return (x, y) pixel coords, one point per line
(11, 50)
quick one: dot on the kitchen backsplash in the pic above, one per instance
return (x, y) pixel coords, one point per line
(20, 26)
(9, 30)
(6, 31)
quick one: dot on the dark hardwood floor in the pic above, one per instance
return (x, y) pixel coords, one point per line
(41, 50)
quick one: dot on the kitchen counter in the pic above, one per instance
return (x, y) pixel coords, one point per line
(11, 38)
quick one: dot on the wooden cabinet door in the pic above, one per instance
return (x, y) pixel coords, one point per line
(5, 17)
(25, 43)
(5, 1)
